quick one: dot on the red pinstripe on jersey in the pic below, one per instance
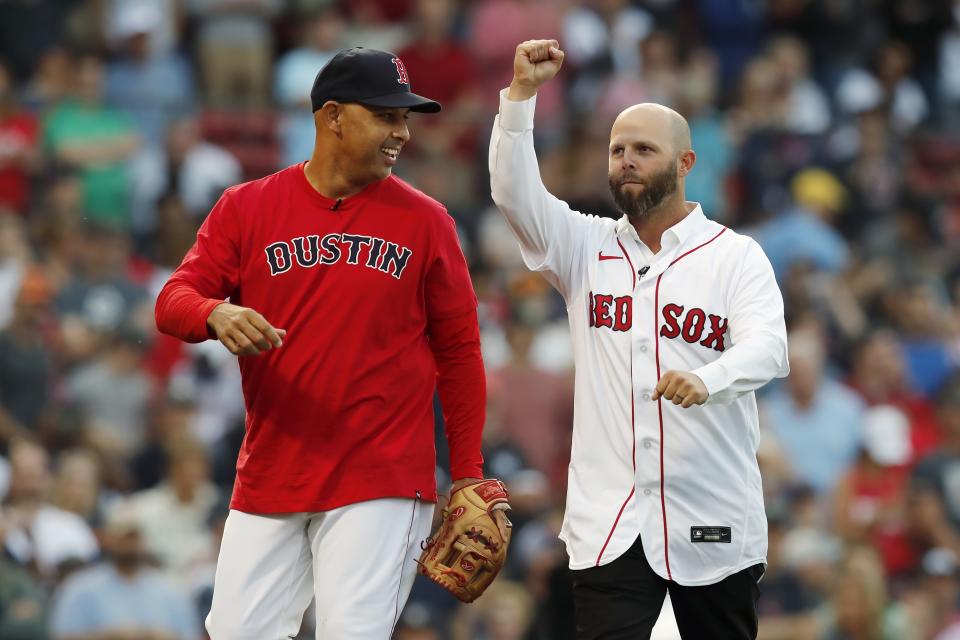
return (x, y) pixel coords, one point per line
(656, 337)
(633, 438)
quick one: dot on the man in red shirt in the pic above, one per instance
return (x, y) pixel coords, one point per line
(19, 155)
(350, 302)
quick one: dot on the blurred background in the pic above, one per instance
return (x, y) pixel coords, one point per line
(829, 130)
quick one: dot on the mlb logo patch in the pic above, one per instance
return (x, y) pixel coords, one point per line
(710, 534)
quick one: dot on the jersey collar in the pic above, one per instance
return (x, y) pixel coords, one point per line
(335, 204)
(675, 235)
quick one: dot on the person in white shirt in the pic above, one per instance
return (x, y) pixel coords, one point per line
(676, 321)
(38, 533)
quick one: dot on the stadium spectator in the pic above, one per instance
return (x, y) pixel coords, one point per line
(860, 606)
(173, 516)
(193, 169)
(97, 139)
(805, 233)
(697, 97)
(816, 420)
(25, 360)
(122, 596)
(886, 82)
(444, 69)
(322, 34)
(113, 392)
(808, 108)
(152, 87)
(870, 500)
(78, 486)
(23, 602)
(879, 374)
(534, 406)
(935, 498)
(296, 69)
(918, 309)
(19, 146)
(99, 294)
(51, 81)
(40, 535)
(235, 49)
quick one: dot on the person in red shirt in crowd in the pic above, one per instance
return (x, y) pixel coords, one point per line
(350, 302)
(18, 146)
(449, 75)
(870, 503)
(879, 375)
(494, 27)
(535, 405)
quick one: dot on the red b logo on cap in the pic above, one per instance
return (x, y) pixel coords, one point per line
(401, 71)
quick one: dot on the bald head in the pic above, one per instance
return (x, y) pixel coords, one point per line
(650, 156)
(650, 117)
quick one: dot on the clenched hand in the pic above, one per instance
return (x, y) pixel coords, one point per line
(681, 387)
(244, 331)
(535, 62)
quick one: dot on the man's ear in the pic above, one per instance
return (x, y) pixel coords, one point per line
(330, 116)
(687, 159)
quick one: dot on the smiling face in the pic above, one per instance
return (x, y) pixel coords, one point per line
(648, 157)
(369, 139)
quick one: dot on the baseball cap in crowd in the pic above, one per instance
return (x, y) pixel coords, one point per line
(122, 520)
(804, 546)
(886, 435)
(940, 561)
(135, 19)
(368, 76)
(818, 188)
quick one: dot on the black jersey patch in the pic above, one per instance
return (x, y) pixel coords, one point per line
(710, 534)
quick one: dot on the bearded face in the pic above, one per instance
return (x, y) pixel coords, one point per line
(635, 201)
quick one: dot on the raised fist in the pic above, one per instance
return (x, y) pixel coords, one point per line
(535, 62)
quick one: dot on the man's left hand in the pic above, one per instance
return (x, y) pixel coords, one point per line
(462, 482)
(681, 387)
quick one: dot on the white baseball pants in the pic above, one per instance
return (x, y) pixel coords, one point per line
(358, 561)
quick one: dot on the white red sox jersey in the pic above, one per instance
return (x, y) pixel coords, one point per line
(685, 480)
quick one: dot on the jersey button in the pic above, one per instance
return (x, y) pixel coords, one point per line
(643, 348)
(647, 492)
(647, 444)
(646, 396)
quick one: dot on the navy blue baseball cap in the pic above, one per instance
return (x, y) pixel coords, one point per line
(370, 77)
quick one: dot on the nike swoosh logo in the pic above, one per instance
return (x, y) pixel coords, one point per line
(600, 256)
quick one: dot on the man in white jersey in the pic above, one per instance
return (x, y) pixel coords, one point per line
(676, 320)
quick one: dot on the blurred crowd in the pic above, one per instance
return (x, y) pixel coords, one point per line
(829, 130)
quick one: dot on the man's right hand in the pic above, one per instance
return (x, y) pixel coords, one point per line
(535, 62)
(243, 331)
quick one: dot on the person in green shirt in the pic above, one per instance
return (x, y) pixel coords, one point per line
(98, 140)
(23, 603)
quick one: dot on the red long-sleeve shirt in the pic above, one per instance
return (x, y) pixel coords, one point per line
(379, 310)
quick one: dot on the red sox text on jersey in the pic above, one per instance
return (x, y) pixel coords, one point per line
(616, 313)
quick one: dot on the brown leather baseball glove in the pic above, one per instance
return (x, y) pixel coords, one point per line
(468, 550)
